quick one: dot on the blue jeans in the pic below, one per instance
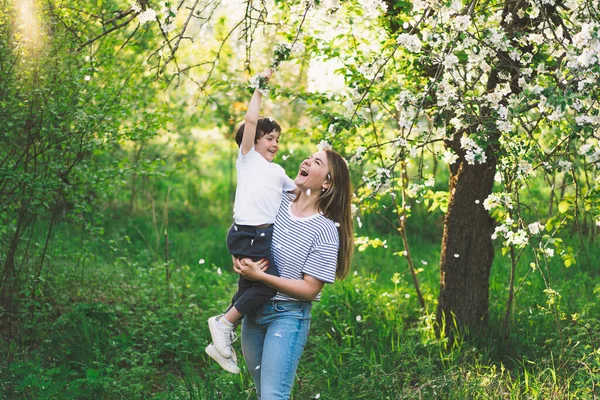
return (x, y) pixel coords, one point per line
(273, 339)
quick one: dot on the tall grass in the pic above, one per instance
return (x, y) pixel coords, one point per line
(107, 324)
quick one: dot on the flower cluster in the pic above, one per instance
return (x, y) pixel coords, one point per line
(167, 23)
(281, 53)
(147, 15)
(497, 199)
(591, 154)
(323, 146)
(260, 82)
(472, 151)
(517, 238)
(373, 8)
(411, 42)
(449, 157)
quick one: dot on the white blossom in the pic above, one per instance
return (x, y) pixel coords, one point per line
(349, 104)
(255, 82)
(525, 168)
(548, 252)
(357, 156)
(535, 11)
(535, 228)
(449, 61)
(411, 42)
(473, 152)
(373, 8)
(147, 16)
(565, 166)
(413, 189)
(502, 229)
(323, 146)
(167, 28)
(461, 22)
(497, 199)
(583, 150)
(518, 238)
(298, 48)
(449, 157)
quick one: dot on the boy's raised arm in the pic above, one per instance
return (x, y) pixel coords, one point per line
(251, 118)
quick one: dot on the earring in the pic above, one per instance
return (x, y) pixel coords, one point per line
(322, 189)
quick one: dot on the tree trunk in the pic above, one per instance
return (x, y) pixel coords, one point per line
(467, 251)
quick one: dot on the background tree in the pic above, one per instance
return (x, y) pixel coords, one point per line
(67, 122)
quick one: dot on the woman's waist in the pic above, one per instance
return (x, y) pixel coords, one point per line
(278, 306)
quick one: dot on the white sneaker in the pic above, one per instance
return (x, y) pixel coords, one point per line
(228, 364)
(222, 336)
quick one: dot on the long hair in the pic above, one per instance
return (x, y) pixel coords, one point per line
(335, 202)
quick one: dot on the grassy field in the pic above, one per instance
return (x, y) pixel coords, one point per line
(107, 325)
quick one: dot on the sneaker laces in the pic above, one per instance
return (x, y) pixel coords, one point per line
(229, 337)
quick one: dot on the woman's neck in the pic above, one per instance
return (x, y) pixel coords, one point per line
(305, 206)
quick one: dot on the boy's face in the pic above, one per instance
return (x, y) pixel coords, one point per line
(268, 145)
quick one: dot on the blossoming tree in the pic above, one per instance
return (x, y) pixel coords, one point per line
(502, 92)
(510, 89)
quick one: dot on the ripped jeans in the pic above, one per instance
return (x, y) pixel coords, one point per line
(273, 339)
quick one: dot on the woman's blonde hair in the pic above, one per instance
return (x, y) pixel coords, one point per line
(335, 202)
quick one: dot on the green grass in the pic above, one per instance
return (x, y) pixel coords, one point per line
(107, 325)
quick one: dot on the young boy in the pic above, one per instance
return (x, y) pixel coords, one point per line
(260, 187)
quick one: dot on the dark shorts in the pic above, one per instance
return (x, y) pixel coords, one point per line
(254, 243)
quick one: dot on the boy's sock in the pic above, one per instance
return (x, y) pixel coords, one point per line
(224, 323)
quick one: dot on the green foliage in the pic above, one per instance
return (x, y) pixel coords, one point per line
(116, 194)
(110, 327)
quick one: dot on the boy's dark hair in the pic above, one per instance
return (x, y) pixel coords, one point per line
(263, 126)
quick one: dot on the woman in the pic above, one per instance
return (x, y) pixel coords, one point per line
(312, 245)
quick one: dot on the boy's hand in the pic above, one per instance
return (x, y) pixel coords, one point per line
(267, 73)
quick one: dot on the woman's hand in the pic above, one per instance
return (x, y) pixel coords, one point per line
(249, 269)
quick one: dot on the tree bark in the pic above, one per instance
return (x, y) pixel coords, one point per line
(467, 251)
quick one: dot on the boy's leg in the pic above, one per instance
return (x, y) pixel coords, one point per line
(257, 248)
(222, 327)
(259, 293)
(254, 243)
(232, 315)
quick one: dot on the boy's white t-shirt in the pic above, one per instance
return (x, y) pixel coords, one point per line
(260, 186)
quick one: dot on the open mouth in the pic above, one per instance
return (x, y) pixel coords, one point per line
(303, 172)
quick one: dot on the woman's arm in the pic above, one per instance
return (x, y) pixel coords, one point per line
(306, 289)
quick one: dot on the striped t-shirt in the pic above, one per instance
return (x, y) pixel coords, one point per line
(306, 245)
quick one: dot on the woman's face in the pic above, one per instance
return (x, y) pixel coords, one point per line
(313, 173)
